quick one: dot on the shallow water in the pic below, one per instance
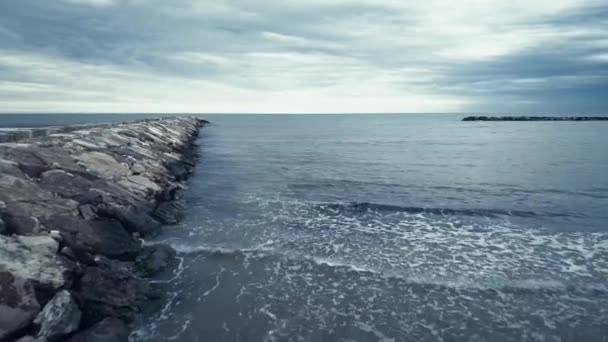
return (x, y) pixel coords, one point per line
(390, 228)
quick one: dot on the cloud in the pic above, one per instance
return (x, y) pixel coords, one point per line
(313, 56)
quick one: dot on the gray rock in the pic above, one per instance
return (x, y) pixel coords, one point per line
(169, 212)
(103, 236)
(110, 290)
(18, 304)
(3, 229)
(34, 258)
(108, 330)
(138, 168)
(134, 219)
(31, 339)
(154, 259)
(68, 252)
(60, 317)
(87, 212)
(104, 165)
(21, 224)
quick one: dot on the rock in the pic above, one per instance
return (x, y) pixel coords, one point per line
(68, 252)
(35, 258)
(87, 212)
(21, 224)
(60, 317)
(85, 188)
(141, 185)
(153, 259)
(138, 168)
(31, 339)
(103, 236)
(108, 330)
(104, 165)
(18, 304)
(134, 219)
(169, 212)
(110, 290)
(55, 234)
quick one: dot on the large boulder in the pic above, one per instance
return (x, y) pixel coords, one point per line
(134, 219)
(110, 289)
(60, 317)
(108, 330)
(18, 304)
(35, 258)
(103, 236)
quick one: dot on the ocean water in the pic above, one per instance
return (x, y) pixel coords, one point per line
(389, 228)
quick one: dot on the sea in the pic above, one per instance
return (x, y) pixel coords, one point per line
(385, 227)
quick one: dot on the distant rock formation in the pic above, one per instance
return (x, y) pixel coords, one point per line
(536, 118)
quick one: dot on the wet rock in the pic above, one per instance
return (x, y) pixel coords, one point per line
(35, 258)
(108, 330)
(60, 317)
(153, 259)
(134, 219)
(18, 304)
(103, 236)
(110, 290)
(169, 212)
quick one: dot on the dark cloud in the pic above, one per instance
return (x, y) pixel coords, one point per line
(342, 55)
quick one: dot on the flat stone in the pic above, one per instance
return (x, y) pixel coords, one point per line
(140, 184)
(104, 165)
(18, 304)
(108, 330)
(60, 317)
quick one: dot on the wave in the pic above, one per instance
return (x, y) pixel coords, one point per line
(546, 286)
(360, 207)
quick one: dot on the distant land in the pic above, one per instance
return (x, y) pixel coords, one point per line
(535, 118)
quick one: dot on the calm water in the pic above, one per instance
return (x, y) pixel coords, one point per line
(390, 228)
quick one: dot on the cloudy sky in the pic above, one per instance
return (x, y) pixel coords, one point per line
(532, 56)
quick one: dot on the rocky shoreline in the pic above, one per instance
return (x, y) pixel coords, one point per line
(75, 204)
(535, 118)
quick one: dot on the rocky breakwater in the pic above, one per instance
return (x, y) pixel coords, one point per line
(535, 118)
(74, 208)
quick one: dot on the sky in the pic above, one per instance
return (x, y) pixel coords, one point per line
(308, 56)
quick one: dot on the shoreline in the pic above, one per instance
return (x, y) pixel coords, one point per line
(75, 203)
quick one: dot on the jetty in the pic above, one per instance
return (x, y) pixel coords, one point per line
(76, 203)
(535, 118)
